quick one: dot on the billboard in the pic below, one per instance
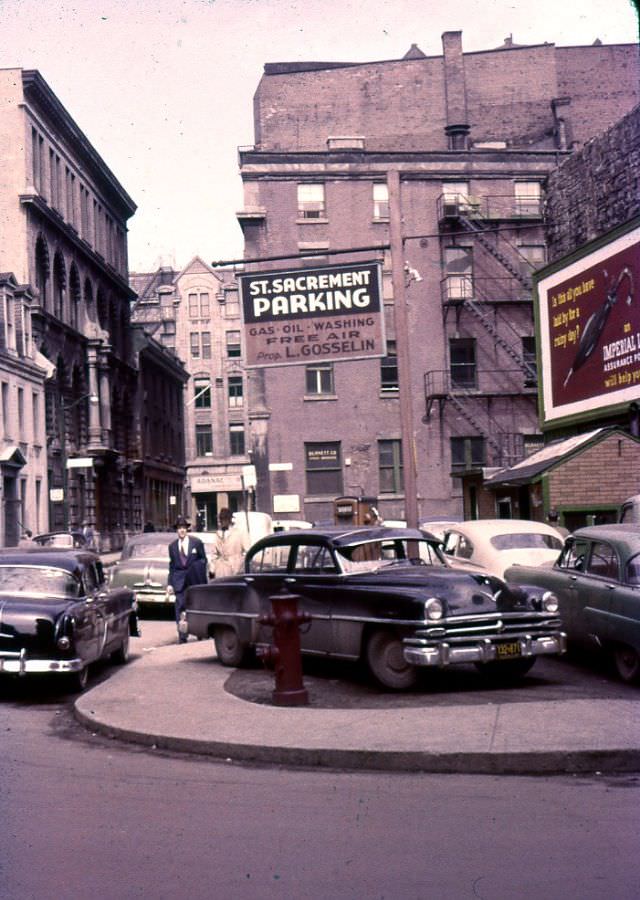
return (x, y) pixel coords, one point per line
(303, 316)
(588, 316)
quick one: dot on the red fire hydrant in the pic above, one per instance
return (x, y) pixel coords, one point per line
(285, 657)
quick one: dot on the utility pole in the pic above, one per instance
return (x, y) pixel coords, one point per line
(402, 349)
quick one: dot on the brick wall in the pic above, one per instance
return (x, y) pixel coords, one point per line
(604, 474)
(596, 189)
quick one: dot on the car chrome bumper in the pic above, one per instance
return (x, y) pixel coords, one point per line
(21, 664)
(483, 651)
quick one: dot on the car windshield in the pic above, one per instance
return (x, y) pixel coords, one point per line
(369, 556)
(139, 551)
(526, 541)
(40, 581)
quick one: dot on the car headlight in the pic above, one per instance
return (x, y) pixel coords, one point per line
(433, 609)
(550, 602)
(64, 643)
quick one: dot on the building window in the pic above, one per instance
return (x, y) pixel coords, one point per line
(204, 440)
(235, 392)
(462, 356)
(202, 393)
(21, 412)
(9, 322)
(528, 198)
(467, 453)
(534, 256)
(380, 201)
(389, 370)
(236, 440)
(5, 409)
(323, 469)
(199, 307)
(390, 466)
(311, 201)
(194, 339)
(233, 344)
(458, 265)
(454, 197)
(319, 379)
(206, 344)
(35, 412)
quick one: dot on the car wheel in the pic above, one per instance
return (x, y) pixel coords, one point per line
(627, 662)
(121, 655)
(386, 662)
(76, 682)
(509, 670)
(229, 648)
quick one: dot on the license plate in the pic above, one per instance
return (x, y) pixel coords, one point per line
(507, 649)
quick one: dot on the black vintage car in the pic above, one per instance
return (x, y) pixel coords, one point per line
(384, 595)
(58, 616)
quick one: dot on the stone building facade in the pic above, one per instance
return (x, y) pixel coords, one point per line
(195, 312)
(63, 233)
(455, 149)
(23, 449)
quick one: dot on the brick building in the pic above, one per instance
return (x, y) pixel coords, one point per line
(592, 202)
(437, 165)
(63, 226)
(195, 312)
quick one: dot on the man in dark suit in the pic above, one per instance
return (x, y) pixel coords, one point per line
(187, 566)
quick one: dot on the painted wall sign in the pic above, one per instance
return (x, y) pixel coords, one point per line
(313, 315)
(589, 326)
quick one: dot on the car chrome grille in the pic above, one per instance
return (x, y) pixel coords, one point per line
(503, 625)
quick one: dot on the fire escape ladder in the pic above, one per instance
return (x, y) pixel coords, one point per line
(482, 239)
(488, 434)
(486, 323)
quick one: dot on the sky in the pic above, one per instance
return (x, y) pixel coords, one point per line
(163, 89)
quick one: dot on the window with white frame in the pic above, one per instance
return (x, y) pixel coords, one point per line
(202, 393)
(235, 392)
(390, 466)
(234, 348)
(204, 440)
(380, 201)
(199, 306)
(311, 203)
(319, 379)
(236, 440)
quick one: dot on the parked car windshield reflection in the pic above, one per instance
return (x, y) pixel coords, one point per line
(526, 541)
(136, 551)
(370, 556)
(37, 581)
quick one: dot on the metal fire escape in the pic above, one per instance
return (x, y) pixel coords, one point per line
(479, 219)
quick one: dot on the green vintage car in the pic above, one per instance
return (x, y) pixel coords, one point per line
(597, 582)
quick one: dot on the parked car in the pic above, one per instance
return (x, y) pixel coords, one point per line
(144, 562)
(290, 524)
(386, 596)
(492, 545)
(62, 539)
(58, 616)
(597, 582)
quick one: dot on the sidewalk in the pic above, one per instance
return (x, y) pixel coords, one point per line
(174, 697)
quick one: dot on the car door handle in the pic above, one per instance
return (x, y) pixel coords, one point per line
(291, 580)
(249, 580)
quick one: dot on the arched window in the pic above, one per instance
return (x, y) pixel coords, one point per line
(88, 300)
(75, 296)
(103, 310)
(42, 270)
(59, 286)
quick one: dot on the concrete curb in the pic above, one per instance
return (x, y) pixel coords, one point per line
(174, 698)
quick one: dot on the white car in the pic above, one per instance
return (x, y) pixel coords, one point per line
(492, 545)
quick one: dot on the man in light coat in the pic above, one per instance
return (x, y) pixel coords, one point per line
(229, 546)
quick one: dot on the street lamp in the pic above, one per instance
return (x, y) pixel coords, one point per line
(64, 406)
